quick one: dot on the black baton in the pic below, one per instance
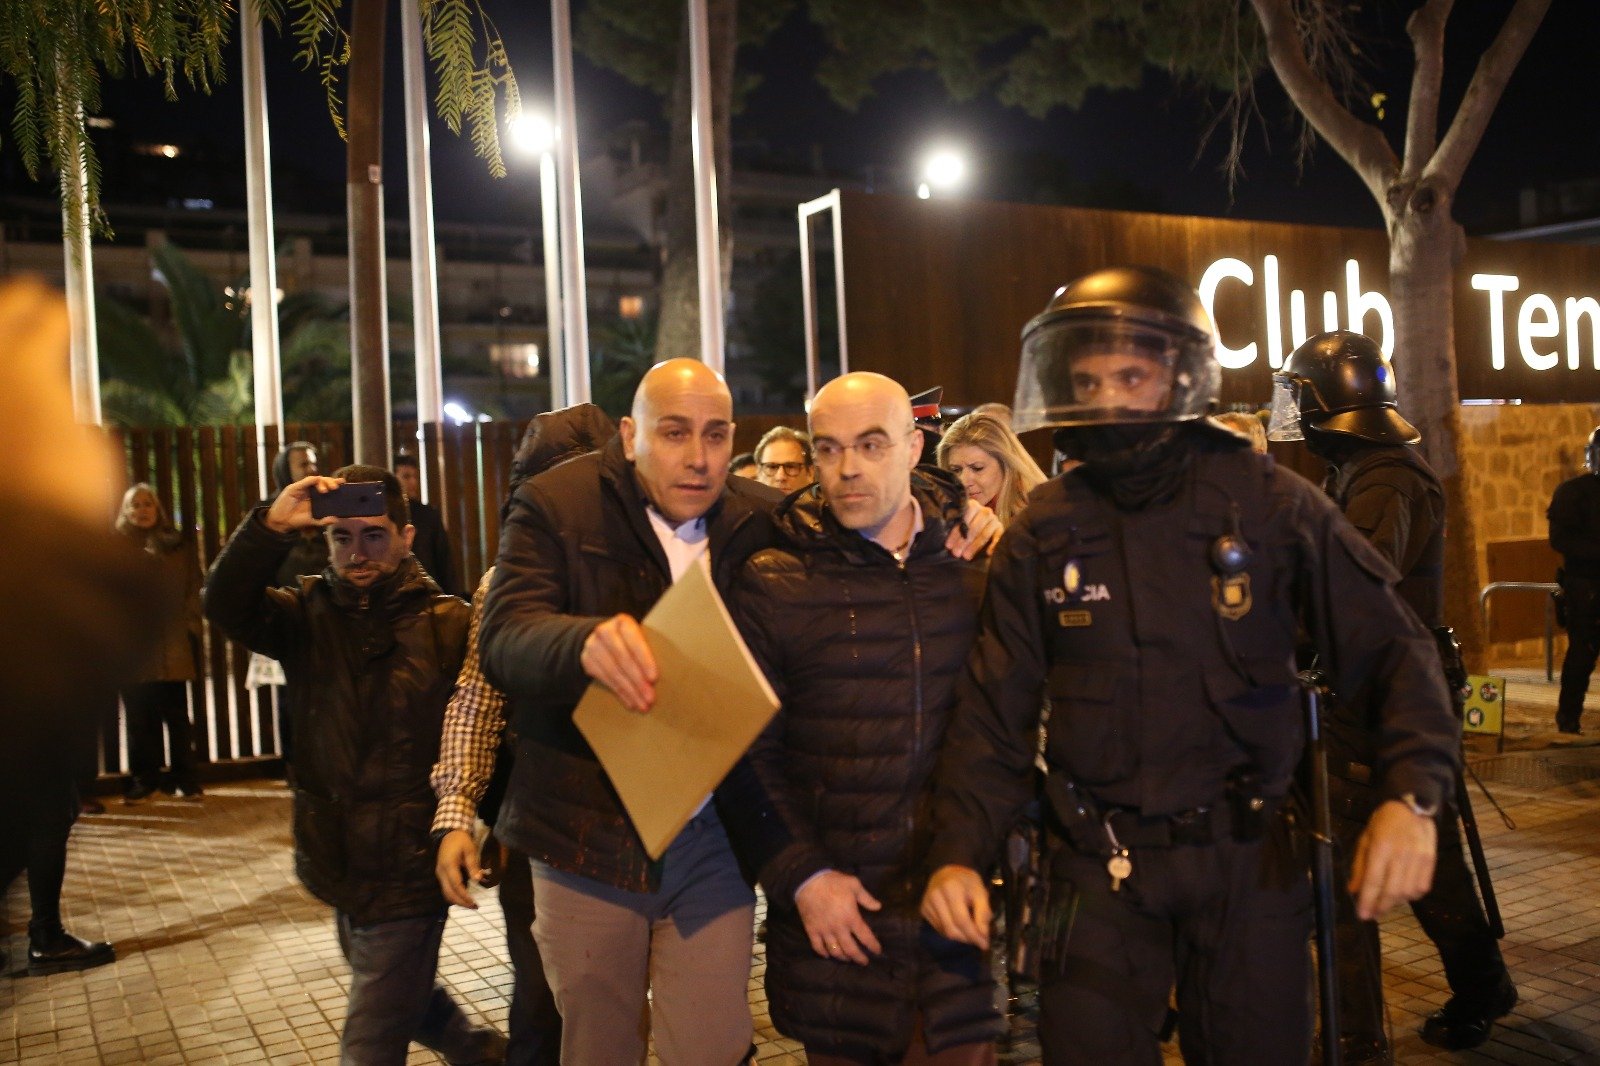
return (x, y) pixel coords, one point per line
(1322, 870)
(1480, 862)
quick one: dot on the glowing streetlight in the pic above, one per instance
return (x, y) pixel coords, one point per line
(943, 171)
(532, 134)
(535, 135)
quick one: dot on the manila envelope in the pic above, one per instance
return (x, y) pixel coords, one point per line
(712, 701)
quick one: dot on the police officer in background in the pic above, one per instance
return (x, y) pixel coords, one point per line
(1337, 393)
(1153, 595)
(1575, 532)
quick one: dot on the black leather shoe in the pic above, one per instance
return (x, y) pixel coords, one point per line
(62, 952)
(1568, 725)
(137, 793)
(1457, 1026)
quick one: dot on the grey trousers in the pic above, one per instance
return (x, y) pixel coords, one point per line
(688, 945)
(393, 997)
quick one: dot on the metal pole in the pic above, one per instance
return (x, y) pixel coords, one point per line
(369, 297)
(84, 346)
(555, 356)
(808, 303)
(808, 284)
(575, 301)
(708, 244)
(424, 268)
(264, 348)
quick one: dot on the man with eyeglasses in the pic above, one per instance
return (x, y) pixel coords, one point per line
(783, 459)
(862, 618)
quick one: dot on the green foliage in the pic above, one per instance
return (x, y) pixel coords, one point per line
(1036, 55)
(620, 351)
(57, 52)
(640, 39)
(204, 375)
(772, 327)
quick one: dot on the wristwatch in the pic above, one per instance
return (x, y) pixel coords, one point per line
(1417, 808)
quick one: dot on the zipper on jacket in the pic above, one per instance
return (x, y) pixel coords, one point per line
(916, 687)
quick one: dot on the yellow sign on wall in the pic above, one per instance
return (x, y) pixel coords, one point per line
(1486, 706)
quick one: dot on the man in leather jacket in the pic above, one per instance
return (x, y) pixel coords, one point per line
(862, 621)
(372, 648)
(1153, 595)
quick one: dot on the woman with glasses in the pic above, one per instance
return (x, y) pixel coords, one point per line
(990, 462)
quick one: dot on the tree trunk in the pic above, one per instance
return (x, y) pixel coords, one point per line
(678, 325)
(1425, 244)
(369, 317)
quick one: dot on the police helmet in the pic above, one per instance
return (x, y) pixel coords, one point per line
(1341, 383)
(1120, 345)
(1591, 452)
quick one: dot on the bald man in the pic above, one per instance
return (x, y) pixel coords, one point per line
(862, 619)
(587, 548)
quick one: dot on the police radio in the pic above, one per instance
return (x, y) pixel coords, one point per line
(1230, 553)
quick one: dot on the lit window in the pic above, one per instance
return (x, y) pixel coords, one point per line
(630, 306)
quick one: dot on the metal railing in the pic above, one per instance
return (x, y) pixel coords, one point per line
(1549, 588)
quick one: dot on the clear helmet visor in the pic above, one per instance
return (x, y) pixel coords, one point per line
(1098, 371)
(1284, 423)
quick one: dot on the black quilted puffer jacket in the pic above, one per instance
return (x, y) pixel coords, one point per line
(864, 653)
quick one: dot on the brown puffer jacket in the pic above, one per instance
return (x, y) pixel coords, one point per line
(864, 653)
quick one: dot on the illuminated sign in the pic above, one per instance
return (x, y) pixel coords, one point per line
(1538, 320)
(1359, 305)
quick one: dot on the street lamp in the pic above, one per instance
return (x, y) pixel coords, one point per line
(944, 170)
(534, 135)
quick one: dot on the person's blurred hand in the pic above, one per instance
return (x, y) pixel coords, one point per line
(51, 462)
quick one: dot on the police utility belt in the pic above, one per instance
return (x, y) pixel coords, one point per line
(1112, 832)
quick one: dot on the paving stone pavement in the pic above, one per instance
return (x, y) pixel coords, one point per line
(223, 958)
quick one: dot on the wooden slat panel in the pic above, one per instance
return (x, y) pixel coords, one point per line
(161, 446)
(213, 530)
(233, 659)
(466, 458)
(138, 455)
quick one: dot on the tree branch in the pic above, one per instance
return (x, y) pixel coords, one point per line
(1358, 143)
(1483, 95)
(1425, 27)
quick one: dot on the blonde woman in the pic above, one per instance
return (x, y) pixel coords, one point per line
(159, 700)
(990, 462)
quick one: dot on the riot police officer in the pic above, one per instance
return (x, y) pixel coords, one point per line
(1337, 392)
(1153, 595)
(1575, 532)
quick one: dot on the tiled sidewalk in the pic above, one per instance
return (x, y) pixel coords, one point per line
(223, 958)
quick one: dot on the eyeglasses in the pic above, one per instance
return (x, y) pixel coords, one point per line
(872, 450)
(788, 469)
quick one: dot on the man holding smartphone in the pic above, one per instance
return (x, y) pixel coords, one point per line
(373, 647)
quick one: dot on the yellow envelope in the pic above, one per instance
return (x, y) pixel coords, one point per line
(712, 701)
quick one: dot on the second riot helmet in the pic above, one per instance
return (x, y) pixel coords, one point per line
(1591, 452)
(1338, 382)
(1121, 345)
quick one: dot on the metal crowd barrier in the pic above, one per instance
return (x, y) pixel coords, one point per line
(1549, 588)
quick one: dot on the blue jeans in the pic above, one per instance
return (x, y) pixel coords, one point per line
(393, 998)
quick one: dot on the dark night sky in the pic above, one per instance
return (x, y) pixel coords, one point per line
(1548, 126)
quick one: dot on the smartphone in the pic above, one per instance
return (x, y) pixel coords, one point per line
(356, 499)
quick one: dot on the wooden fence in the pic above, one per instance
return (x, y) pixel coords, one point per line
(208, 478)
